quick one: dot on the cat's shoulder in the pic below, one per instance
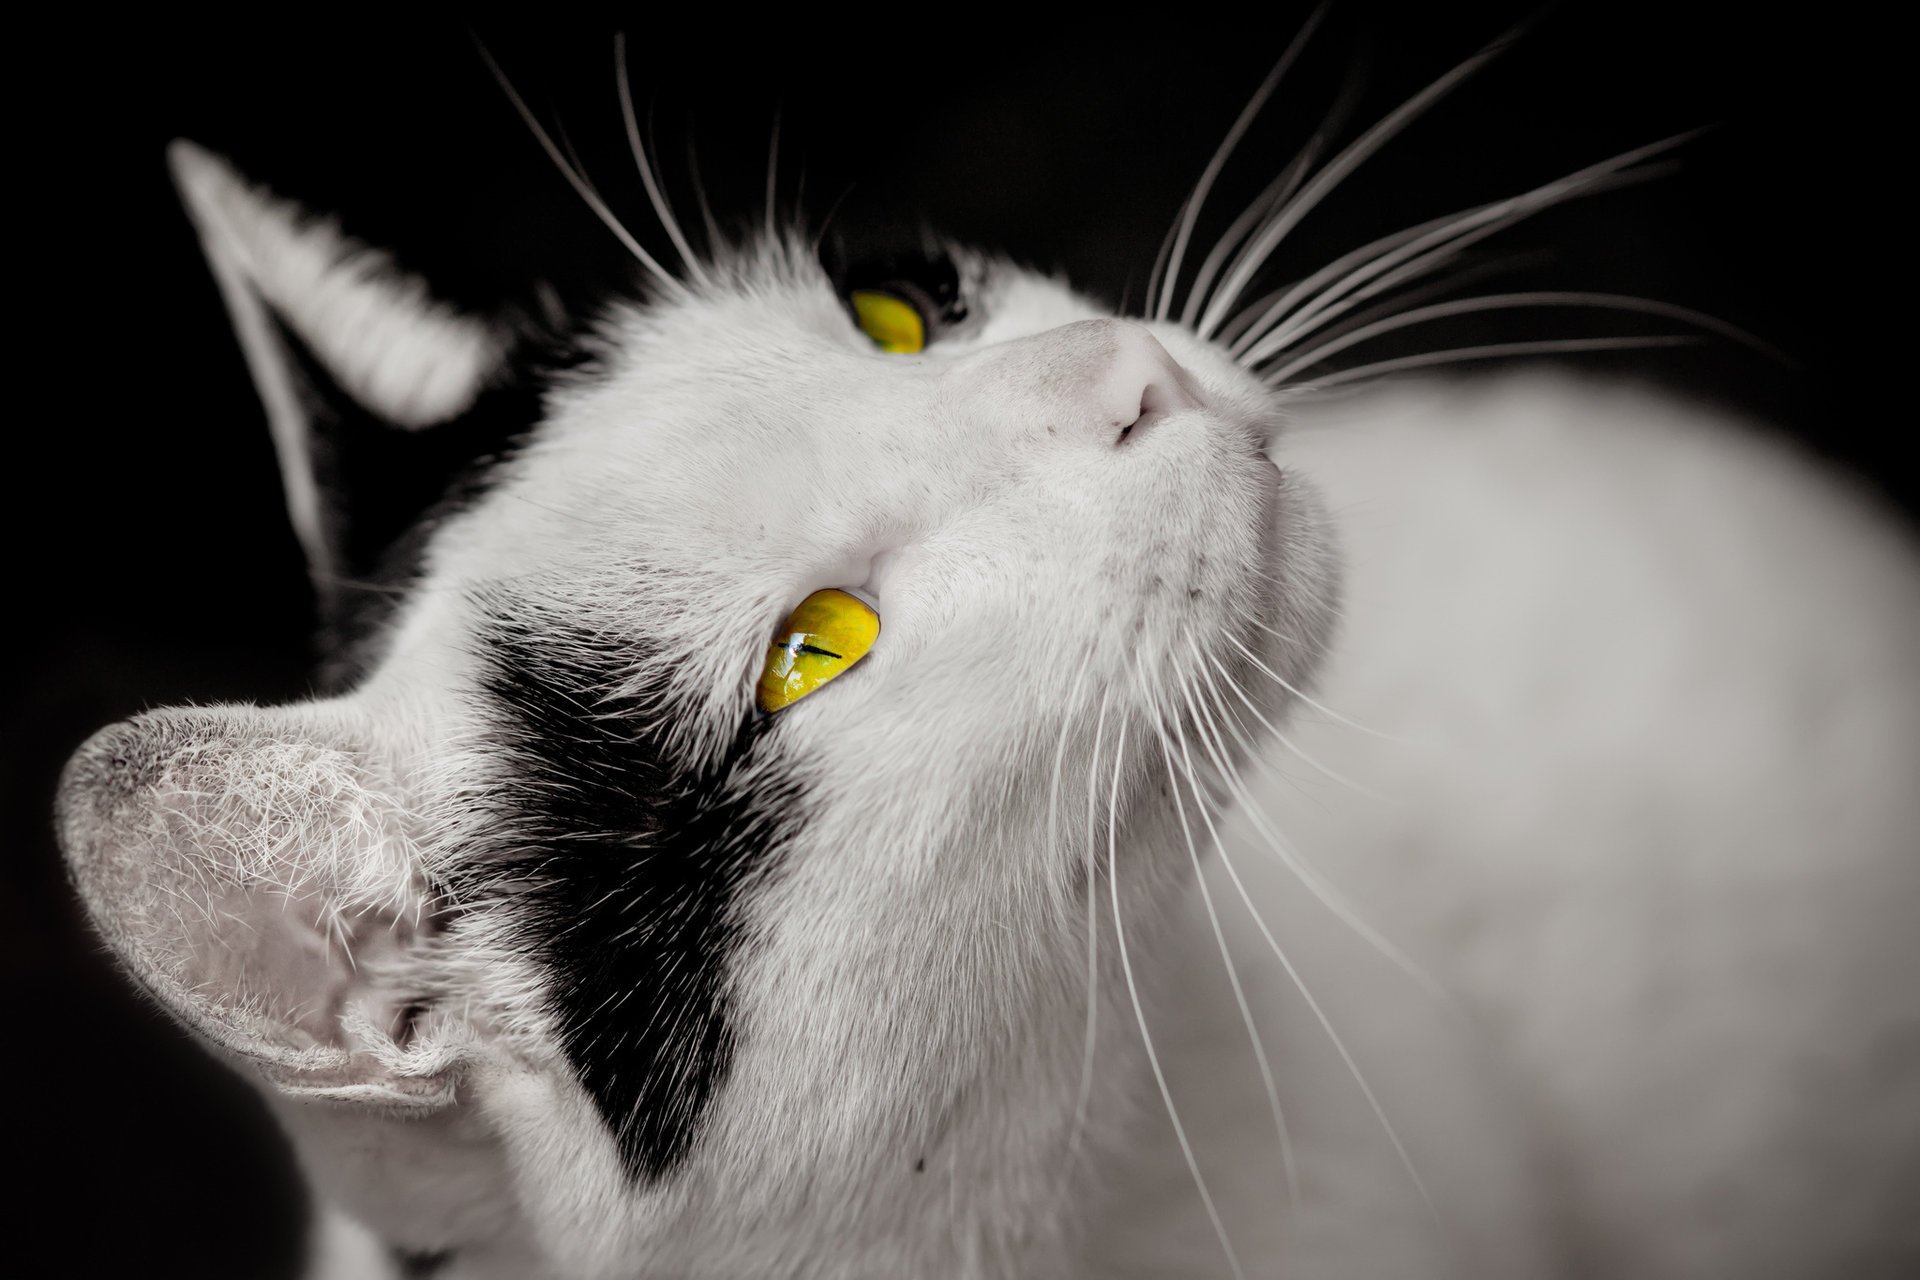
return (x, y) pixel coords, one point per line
(1602, 494)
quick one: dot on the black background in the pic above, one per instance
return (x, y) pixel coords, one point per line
(152, 561)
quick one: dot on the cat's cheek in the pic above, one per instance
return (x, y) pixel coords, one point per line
(1264, 481)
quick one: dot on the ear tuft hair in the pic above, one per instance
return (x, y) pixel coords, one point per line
(254, 873)
(402, 354)
(379, 397)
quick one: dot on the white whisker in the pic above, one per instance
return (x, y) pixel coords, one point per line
(1301, 694)
(1513, 302)
(1352, 267)
(1140, 1015)
(1273, 731)
(773, 179)
(1220, 938)
(826, 223)
(1429, 244)
(1243, 320)
(714, 238)
(1075, 1134)
(1191, 211)
(1410, 262)
(1330, 895)
(1086, 1062)
(1336, 321)
(1326, 1025)
(1493, 351)
(581, 186)
(661, 209)
(1276, 194)
(1322, 184)
(1060, 753)
(1154, 277)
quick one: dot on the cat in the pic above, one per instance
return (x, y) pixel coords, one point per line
(558, 956)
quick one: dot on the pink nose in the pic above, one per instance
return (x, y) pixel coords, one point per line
(1136, 378)
(1097, 380)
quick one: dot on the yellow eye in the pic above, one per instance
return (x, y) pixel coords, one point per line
(828, 633)
(894, 324)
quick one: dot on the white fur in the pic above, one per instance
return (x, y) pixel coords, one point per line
(1653, 830)
(399, 351)
(1654, 685)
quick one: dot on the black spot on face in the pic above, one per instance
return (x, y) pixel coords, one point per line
(624, 868)
(908, 268)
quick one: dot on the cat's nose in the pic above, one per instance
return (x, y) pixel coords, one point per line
(1139, 379)
(1098, 379)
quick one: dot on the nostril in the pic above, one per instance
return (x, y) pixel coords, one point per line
(1149, 406)
(1144, 381)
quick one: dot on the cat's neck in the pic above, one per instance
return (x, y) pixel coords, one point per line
(999, 1174)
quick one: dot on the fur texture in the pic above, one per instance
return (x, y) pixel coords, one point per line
(917, 978)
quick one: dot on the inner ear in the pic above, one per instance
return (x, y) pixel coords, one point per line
(256, 872)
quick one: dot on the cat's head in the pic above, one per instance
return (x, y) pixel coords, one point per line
(623, 965)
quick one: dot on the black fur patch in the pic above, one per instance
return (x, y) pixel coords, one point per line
(915, 269)
(385, 490)
(377, 479)
(624, 868)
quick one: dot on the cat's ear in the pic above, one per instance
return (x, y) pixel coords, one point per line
(377, 394)
(256, 870)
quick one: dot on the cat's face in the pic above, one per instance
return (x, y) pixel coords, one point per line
(673, 978)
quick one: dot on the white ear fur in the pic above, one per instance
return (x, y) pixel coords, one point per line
(402, 355)
(257, 875)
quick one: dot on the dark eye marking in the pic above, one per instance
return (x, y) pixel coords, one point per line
(619, 868)
(801, 647)
(915, 272)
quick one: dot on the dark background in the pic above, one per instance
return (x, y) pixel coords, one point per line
(158, 568)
